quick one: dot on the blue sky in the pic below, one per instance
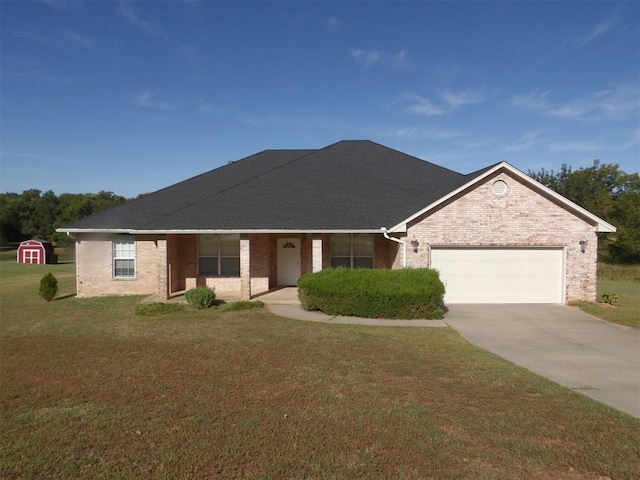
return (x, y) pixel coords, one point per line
(131, 97)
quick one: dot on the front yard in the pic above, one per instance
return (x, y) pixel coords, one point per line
(624, 281)
(90, 390)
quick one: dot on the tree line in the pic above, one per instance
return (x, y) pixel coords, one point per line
(34, 214)
(609, 193)
(603, 189)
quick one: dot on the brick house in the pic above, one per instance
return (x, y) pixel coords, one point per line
(495, 235)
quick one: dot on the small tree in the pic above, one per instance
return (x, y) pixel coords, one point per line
(48, 287)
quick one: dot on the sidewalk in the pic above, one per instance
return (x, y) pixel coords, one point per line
(296, 311)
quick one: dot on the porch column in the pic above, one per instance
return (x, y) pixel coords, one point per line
(316, 253)
(163, 280)
(245, 270)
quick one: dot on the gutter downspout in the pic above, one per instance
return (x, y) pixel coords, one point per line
(397, 240)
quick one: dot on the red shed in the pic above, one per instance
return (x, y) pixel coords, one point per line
(36, 251)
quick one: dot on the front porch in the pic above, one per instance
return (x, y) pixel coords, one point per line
(250, 266)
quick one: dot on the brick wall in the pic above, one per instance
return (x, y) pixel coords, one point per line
(94, 266)
(523, 217)
(183, 259)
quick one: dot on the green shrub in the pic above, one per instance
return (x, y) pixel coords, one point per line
(200, 297)
(48, 287)
(158, 308)
(611, 298)
(381, 293)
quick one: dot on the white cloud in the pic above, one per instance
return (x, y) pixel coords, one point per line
(61, 40)
(416, 132)
(634, 141)
(448, 102)
(205, 106)
(525, 142)
(586, 146)
(64, 4)
(597, 31)
(458, 99)
(147, 100)
(77, 39)
(152, 28)
(334, 22)
(617, 103)
(532, 101)
(37, 157)
(423, 106)
(33, 75)
(369, 58)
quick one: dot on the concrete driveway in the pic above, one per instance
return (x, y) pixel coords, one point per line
(596, 358)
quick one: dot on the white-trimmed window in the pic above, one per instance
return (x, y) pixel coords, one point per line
(124, 257)
(219, 255)
(352, 250)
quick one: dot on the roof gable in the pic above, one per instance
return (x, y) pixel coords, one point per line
(477, 177)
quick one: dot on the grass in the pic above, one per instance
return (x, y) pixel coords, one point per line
(627, 313)
(608, 271)
(92, 390)
(624, 281)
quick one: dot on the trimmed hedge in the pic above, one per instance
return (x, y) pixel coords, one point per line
(382, 293)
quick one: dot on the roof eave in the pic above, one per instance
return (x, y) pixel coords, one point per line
(133, 231)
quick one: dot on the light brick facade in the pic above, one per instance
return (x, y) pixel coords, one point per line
(524, 217)
(95, 269)
(521, 218)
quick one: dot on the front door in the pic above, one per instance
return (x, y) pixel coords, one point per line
(288, 261)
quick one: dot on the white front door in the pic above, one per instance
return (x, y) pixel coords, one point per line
(288, 261)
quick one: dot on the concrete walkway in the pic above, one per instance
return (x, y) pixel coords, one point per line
(596, 358)
(296, 311)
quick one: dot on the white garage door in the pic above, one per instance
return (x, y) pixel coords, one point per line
(501, 275)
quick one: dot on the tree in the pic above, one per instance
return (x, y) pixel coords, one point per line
(610, 193)
(10, 224)
(48, 287)
(36, 214)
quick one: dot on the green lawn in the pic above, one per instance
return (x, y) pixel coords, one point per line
(627, 313)
(90, 390)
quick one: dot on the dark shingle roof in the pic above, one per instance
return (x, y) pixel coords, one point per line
(351, 185)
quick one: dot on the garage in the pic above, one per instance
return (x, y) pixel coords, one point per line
(501, 275)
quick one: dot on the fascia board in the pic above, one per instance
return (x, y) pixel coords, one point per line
(93, 230)
(211, 231)
(601, 225)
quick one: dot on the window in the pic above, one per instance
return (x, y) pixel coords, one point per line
(124, 257)
(219, 255)
(352, 250)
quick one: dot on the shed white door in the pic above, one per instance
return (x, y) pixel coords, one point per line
(501, 275)
(288, 261)
(32, 256)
